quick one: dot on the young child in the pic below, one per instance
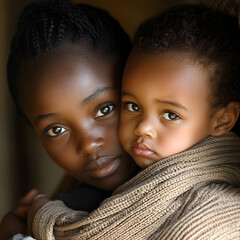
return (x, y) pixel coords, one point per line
(180, 101)
(180, 86)
(64, 73)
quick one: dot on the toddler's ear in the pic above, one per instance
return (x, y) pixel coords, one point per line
(226, 118)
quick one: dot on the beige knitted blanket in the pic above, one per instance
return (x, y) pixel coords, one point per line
(191, 195)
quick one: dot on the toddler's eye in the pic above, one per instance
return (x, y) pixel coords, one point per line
(56, 131)
(105, 110)
(170, 116)
(132, 107)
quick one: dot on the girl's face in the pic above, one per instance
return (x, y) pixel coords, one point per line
(165, 107)
(71, 101)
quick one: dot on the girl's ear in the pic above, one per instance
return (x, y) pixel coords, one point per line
(225, 118)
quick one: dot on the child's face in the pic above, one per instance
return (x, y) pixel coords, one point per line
(71, 102)
(165, 107)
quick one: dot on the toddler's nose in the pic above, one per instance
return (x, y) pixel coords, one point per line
(145, 127)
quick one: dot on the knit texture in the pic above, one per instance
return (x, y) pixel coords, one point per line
(191, 195)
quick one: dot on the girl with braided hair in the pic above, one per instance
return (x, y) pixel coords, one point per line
(64, 73)
(180, 122)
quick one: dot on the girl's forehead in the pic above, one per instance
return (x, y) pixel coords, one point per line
(65, 65)
(65, 75)
(65, 57)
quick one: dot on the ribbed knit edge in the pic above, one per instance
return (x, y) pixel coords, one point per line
(47, 216)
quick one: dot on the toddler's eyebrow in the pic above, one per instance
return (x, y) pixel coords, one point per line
(127, 94)
(172, 103)
(123, 93)
(97, 93)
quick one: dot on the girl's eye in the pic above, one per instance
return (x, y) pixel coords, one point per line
(170, 116)
(105, 110)
(132, 107)
(56, 131)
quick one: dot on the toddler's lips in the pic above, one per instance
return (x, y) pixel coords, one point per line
(141, 149)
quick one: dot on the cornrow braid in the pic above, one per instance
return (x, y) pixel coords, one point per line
(46, 24)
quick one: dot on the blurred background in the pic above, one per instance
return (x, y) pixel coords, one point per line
(23, 162)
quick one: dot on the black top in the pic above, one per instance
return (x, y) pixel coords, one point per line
(83, 197)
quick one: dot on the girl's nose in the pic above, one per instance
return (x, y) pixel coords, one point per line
(90, 145)
(89, 139)
(145, 128)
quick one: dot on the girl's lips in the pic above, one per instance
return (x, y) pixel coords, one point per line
(108, 168)
(141, 149)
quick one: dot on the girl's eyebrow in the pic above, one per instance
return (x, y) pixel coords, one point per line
(44, 116)
(96, 94)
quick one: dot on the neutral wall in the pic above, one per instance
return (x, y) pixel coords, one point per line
(23, 162)
(5, 184)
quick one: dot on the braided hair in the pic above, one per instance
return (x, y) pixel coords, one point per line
(209, 37)
(46, 24)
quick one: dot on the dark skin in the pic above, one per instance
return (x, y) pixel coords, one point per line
(167, 106)
(161, 113)
(71, 100)
(15, 221)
